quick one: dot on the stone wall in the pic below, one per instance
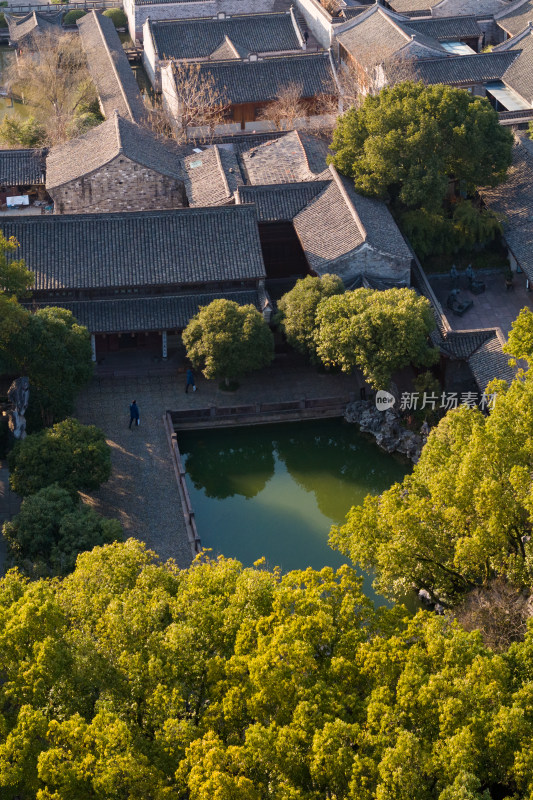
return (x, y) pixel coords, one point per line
(121, 185)
(369, 263)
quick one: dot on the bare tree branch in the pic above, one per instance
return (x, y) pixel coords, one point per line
(195, 101)
(55, 82)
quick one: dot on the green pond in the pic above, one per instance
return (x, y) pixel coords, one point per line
(276, 490)
(7, 106)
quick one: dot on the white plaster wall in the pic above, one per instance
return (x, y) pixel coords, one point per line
(318, 21)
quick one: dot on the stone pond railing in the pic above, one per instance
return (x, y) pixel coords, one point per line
(188, 512)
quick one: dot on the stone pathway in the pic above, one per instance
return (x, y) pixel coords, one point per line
(142, 491)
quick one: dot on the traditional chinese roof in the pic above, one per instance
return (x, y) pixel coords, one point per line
(203, 38)
(117, 136)
(447, 28)
(21, 167)
(489, 362)
(449, 8)
(23, 28)
(294, 157)
(478, 68)
(515, 17)
(211, 177)
(513, 201)
(151, 313)
(378, 34)
(139, 249)
(109, 67)
(519, 74)
(338, 221)
(261, 81)
(280, 202)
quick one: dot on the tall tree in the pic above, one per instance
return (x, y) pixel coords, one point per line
(406, 145)
(54, 80)
(133, 680)
(55, 352)
(226, 340)
(376, 332)
(297, 311)
(464, 516)
(408, 141)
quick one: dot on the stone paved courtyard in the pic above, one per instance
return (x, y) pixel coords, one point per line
(496, 307)
(142, 491)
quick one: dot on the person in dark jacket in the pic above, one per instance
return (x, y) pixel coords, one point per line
(134, 415)
(190, 381)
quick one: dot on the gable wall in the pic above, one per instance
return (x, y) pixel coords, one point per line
(368, 262)
(121, 185)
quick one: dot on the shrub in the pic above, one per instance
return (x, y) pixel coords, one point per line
(3, 22)
(74, 456)
(119, 18)
(52, 528)
(72, 15)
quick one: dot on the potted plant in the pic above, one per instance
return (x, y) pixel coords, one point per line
(508, 278)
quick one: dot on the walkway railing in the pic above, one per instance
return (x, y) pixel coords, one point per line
(188, 512)
(259, 413)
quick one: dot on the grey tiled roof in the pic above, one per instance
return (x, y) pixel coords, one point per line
(21, 167)
(462, 344)
(477, 68)
(100, 145)
(261, 81)
(280, 202)
(514, 19)
(34, 23)
(447, 28)
(449, 8)
(338, 221)
(151, 313)
(211, 177)
(109, 67)
(294, 157)
(84, 251)
(378, 34)
(199, 38)
(519, 75)
(513, 200)
(489, 362)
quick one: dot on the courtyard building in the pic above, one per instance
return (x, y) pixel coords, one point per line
(117, 166)
(222, 38)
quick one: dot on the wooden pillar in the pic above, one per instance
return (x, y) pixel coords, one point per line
(93, 347)
(164, 344)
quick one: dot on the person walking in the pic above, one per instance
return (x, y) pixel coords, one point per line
(135, 416)
(190, 381)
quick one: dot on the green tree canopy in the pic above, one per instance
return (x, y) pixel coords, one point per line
(406, 142)
(376, 332)
(54, 351)
(131, 680)
(75, 456)
(52, 528)
(15, 279)
(465, 513)
(297, 311)
(226, 340)
(520, 341)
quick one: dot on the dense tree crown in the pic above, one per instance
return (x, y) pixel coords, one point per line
(465, 513)
(297, 311)
(74, 456)
(405, 144)
(226, 340)
(132, 681)
(52, 528)
(376, 332)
